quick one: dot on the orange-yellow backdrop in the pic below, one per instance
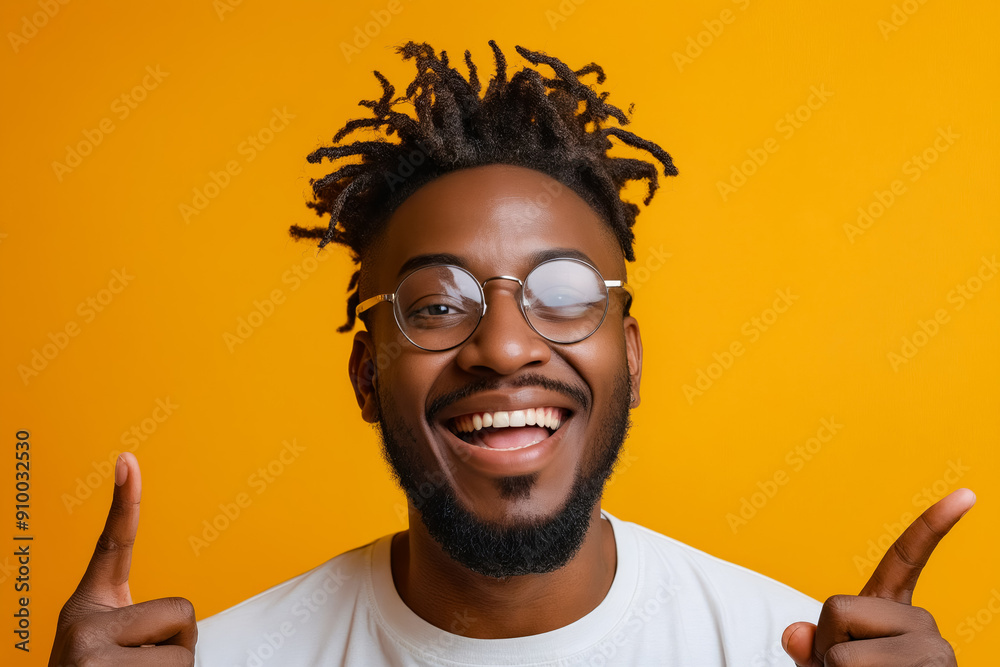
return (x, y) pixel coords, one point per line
(783, 118)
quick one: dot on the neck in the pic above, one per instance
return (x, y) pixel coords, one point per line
(453, 598)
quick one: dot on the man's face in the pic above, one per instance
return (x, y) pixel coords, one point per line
(498, 220)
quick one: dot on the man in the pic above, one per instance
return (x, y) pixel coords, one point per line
(500, 362)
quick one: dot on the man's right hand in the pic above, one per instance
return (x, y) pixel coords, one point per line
(99, 625)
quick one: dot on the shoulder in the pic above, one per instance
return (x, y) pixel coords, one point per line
(265, 620)
(728, 579)
(749, 610)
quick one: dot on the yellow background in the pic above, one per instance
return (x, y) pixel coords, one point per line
(689, 463)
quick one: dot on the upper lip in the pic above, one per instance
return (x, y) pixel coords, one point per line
(512, 399)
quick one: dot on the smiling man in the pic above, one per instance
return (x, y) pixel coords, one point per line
(500, 363)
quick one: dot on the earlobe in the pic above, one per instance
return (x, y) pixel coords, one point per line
(362, 371)
(633, 353)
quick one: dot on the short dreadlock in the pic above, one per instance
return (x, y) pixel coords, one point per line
(528, 120)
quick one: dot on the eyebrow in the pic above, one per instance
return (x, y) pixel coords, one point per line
(428, 259)
(418, 261)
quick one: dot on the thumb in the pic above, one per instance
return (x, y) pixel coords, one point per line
(105, 582)
(797, 640)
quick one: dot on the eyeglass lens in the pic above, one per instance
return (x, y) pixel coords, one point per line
(438, 307)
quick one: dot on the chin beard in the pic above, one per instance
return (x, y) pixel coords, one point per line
(500, 551)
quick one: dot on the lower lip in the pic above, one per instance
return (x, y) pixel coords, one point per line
(507, 462)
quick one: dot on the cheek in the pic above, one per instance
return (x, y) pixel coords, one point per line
(390, 351)
(406, 380)
(599, 361)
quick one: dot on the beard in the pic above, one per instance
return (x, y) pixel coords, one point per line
(534, 546)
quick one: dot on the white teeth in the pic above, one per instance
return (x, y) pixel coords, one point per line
(548, 417)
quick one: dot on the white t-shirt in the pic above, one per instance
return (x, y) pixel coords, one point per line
(669, 604)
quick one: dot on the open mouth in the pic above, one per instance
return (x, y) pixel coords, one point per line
(508, 430)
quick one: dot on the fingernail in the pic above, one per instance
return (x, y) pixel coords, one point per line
(970, 506)
(788, 640)
(121, 471)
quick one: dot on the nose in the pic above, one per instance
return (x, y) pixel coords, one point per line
(503, 343)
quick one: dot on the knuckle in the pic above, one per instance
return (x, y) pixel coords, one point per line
(906, 555)
(69, 612)
(924, 617)
(80, 635)
(937, 653)
(841, 655)
(121, 510)
(183, 607)
(838, 605)
(937, 660)
(90, 660)
(109, 544)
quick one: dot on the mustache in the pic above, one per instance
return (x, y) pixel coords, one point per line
(578, 395)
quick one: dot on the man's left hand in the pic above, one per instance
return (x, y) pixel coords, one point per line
(880, 626)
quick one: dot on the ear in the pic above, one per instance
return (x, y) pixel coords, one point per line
(633, 353)
(361, 368)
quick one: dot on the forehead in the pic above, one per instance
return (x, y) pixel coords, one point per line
(497, 219)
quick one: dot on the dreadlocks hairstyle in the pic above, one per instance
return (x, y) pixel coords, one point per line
(528, 120)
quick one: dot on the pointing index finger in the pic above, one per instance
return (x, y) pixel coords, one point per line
(897, 572)
(106, 578)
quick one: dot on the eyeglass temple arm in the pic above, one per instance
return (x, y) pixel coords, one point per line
(621, 283)
(368, 303)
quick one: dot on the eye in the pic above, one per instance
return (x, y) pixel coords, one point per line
(562, 303)
(434, 309)
(560, 297)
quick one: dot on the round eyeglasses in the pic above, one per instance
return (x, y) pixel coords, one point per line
(437, 307)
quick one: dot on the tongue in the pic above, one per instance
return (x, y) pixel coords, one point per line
(506, 438)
